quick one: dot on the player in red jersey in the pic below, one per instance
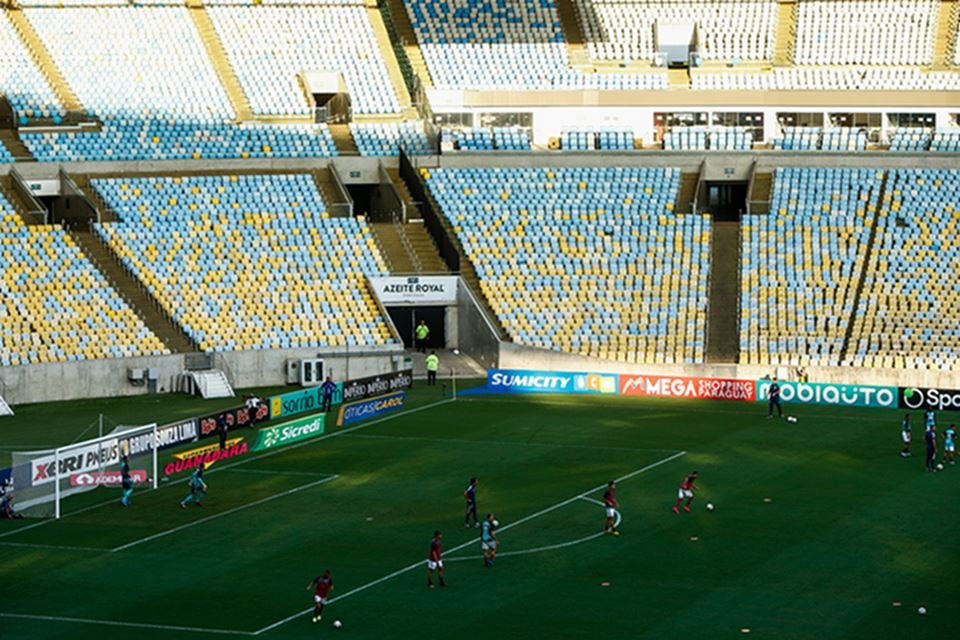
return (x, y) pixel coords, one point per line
(610, 504)
(686, 491)
(322, 585)
(435, 560)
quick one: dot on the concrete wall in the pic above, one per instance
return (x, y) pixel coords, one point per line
(514, 356)
(477, 338)
(107, 378)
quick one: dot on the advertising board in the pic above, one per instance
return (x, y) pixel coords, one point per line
(686, 387)
(364, 409)
(845, 395)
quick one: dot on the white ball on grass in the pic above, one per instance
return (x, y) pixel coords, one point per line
(709, 506)
(337, 624)
(496, 523)
(922, 611)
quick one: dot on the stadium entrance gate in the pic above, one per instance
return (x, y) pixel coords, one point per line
(406, 320)
(727, 201)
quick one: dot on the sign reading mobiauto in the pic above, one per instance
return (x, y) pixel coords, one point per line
(694, 388)
(107, 478)
(929, 398)
(368, 408)
(847, 395)
(290, 432)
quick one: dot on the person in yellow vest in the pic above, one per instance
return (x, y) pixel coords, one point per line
(433, 363)
(422, 333)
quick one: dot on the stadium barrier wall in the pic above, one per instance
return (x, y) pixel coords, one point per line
(107, 378)
(513, 356)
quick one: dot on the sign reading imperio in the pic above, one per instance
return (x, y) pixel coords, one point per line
(436, 290)
(377, 385)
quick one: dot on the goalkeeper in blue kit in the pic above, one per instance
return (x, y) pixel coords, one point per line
(127, 481)
(198, 489)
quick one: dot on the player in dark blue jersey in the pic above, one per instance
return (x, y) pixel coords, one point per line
(126, 481)
(774, 394)
(488, 540)
(905, 436)
(930, 437)
(470, 495)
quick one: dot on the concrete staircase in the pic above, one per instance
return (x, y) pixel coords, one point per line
(408, 248)
(759, 196)
(221, 63)
(687, 191)
(212, 383)
(41, 56)
(678, 78)
(408, 40)
(6, 189)
(130, 290)
(424, 247)
(945, 43)
(576, 51)
(413, 213)
(393, 67)
(343, 139)
(723, 325)
(9, 139)
(398, 257)
(786, 33)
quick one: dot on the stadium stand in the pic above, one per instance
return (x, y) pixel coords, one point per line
(830, 79)
(56, 306)
(907, 314)
(801, 263)
(22, 82)
(844, 139)
(5, 155)
(268, 47)
(623, 30)
(605, 138)
(865, 32)
(910, 139)
(388, 138)
(249, 261)
(516, 45)
(946, 140)
(690, 138)
(585, 260)
(485, 139)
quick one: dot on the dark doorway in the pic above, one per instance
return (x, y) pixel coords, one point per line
(363, 197)
(726, 200)
(407, 318)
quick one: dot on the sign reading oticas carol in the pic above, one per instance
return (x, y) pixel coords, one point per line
(435, 290)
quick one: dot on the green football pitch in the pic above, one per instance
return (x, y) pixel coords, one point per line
(821, 530)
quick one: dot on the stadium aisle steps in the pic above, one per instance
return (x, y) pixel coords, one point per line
(412, 212)
(391, 246)
(411, 46)
(687, 192)
(389, 59)
(9, 139)
(786, 33)
(221, 64)
(343, 139)
(328, 189)
(423, 245)
(129, 288)
(44, 60)
(760, 194)
(7, 192)
(945, 42)
(570, 21)
(723, 324)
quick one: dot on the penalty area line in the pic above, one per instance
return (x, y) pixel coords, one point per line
(421, 563)
(215, 516)
(135, 625)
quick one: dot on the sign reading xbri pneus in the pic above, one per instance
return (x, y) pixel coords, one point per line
(377, 385)
(845, 395)
(930, 398)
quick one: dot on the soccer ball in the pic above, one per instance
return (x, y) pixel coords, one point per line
(337, 624)
(922, 611)
(496, 523)
(709, 506)
(791, 419)
(940, 467)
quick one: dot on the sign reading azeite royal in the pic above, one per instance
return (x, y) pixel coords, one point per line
(416, 290)
(694, 388)
(932, 398)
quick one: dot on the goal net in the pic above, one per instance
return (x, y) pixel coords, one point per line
(47, 477)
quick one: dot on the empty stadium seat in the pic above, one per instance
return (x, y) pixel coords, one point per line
(586, 260)
(388, 138)
(22, 82)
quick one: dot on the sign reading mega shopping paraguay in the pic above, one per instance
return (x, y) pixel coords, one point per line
(845, 395)
(693, 388)
(929, 398)
(524, 381)
(436, 290)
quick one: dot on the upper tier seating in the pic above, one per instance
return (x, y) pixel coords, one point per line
(946, 140)
(624, 30)
(814, 139)
(899, 32)
(388, 138)
(21, 81)
(247, 262)
(148, 61)
(269, 46)
(513, 44)
(911, 139)
(800, 265)
(137, 139)
(830, 79)
(56, 306)
(585, 260)
(590, 139)
(907, 316)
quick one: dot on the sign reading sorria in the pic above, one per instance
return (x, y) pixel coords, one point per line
(695, 388)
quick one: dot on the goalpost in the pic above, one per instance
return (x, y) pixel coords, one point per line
(44, 478)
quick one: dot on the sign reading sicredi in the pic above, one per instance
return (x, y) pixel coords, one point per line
(290, 432)
(845, 395)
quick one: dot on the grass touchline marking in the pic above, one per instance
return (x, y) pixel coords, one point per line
(277, 472)
(593, 501)
(221, 514)
(516, 523)
(370, 436)
(247, 460)
(52, 546)
(113, 623)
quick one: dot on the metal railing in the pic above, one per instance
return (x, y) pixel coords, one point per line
(405, 241)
